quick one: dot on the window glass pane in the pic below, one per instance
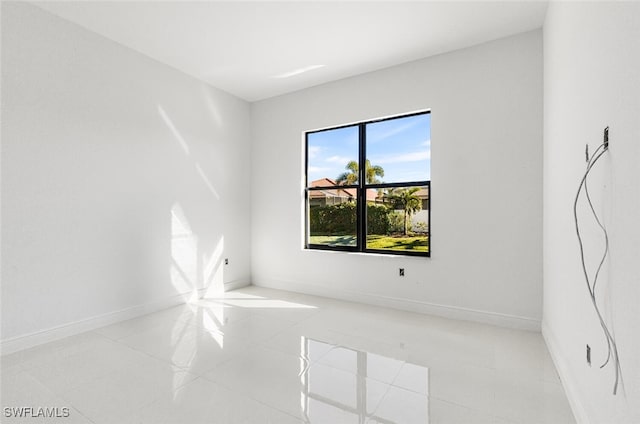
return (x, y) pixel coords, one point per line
(398, 219)
(333, 157)
(333, 217)
(399, 150)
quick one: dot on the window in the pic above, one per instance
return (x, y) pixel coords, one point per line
(368, 186)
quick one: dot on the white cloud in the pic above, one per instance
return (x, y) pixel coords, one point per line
(393, 131)
(405, 157)
(412, 176)
(318, 169)
(342, 160)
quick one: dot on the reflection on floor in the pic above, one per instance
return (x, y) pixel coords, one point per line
(267, 356)
(347, 385)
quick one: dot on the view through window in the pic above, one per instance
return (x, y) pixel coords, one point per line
(368, 186)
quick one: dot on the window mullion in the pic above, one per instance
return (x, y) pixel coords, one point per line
(362, 194)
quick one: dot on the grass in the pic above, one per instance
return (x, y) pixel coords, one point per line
(382, 242)
(333, 240)
(413, 243)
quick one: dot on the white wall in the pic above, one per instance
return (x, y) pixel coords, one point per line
(591, 80)
(100, 146)
(486, 263)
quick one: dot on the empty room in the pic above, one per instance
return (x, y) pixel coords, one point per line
(320, 212)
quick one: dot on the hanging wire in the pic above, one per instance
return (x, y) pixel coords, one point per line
(612, 348)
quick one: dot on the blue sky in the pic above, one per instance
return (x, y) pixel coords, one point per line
(401, 146)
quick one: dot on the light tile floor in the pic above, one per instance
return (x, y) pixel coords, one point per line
(268, 356)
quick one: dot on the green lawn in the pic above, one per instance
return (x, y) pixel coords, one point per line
(333, 240)
(412, 243)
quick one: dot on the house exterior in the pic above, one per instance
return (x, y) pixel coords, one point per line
(334, 194)
(423, 194)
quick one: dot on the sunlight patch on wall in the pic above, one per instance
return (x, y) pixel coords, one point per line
(184, 252)
(213, 108)
(207, 182)
(169, 123)
(214, 272)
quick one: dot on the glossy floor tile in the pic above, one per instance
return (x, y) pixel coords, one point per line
(265, 356)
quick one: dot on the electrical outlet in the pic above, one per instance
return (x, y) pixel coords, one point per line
(226, 261)
(401, 272)
(589, 355)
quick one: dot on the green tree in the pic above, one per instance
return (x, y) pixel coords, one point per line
(351, 176)
(406, 200)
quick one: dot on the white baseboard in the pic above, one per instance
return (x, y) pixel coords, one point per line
(447, 311)
(45, 336)
(237, 284)
(566, 377)
(55, 333)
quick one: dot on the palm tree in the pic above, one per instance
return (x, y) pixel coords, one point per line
(351, 176)
(405, 200)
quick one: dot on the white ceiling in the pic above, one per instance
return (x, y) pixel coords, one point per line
(257, 50)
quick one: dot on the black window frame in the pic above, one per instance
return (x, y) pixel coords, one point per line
(361, 189)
